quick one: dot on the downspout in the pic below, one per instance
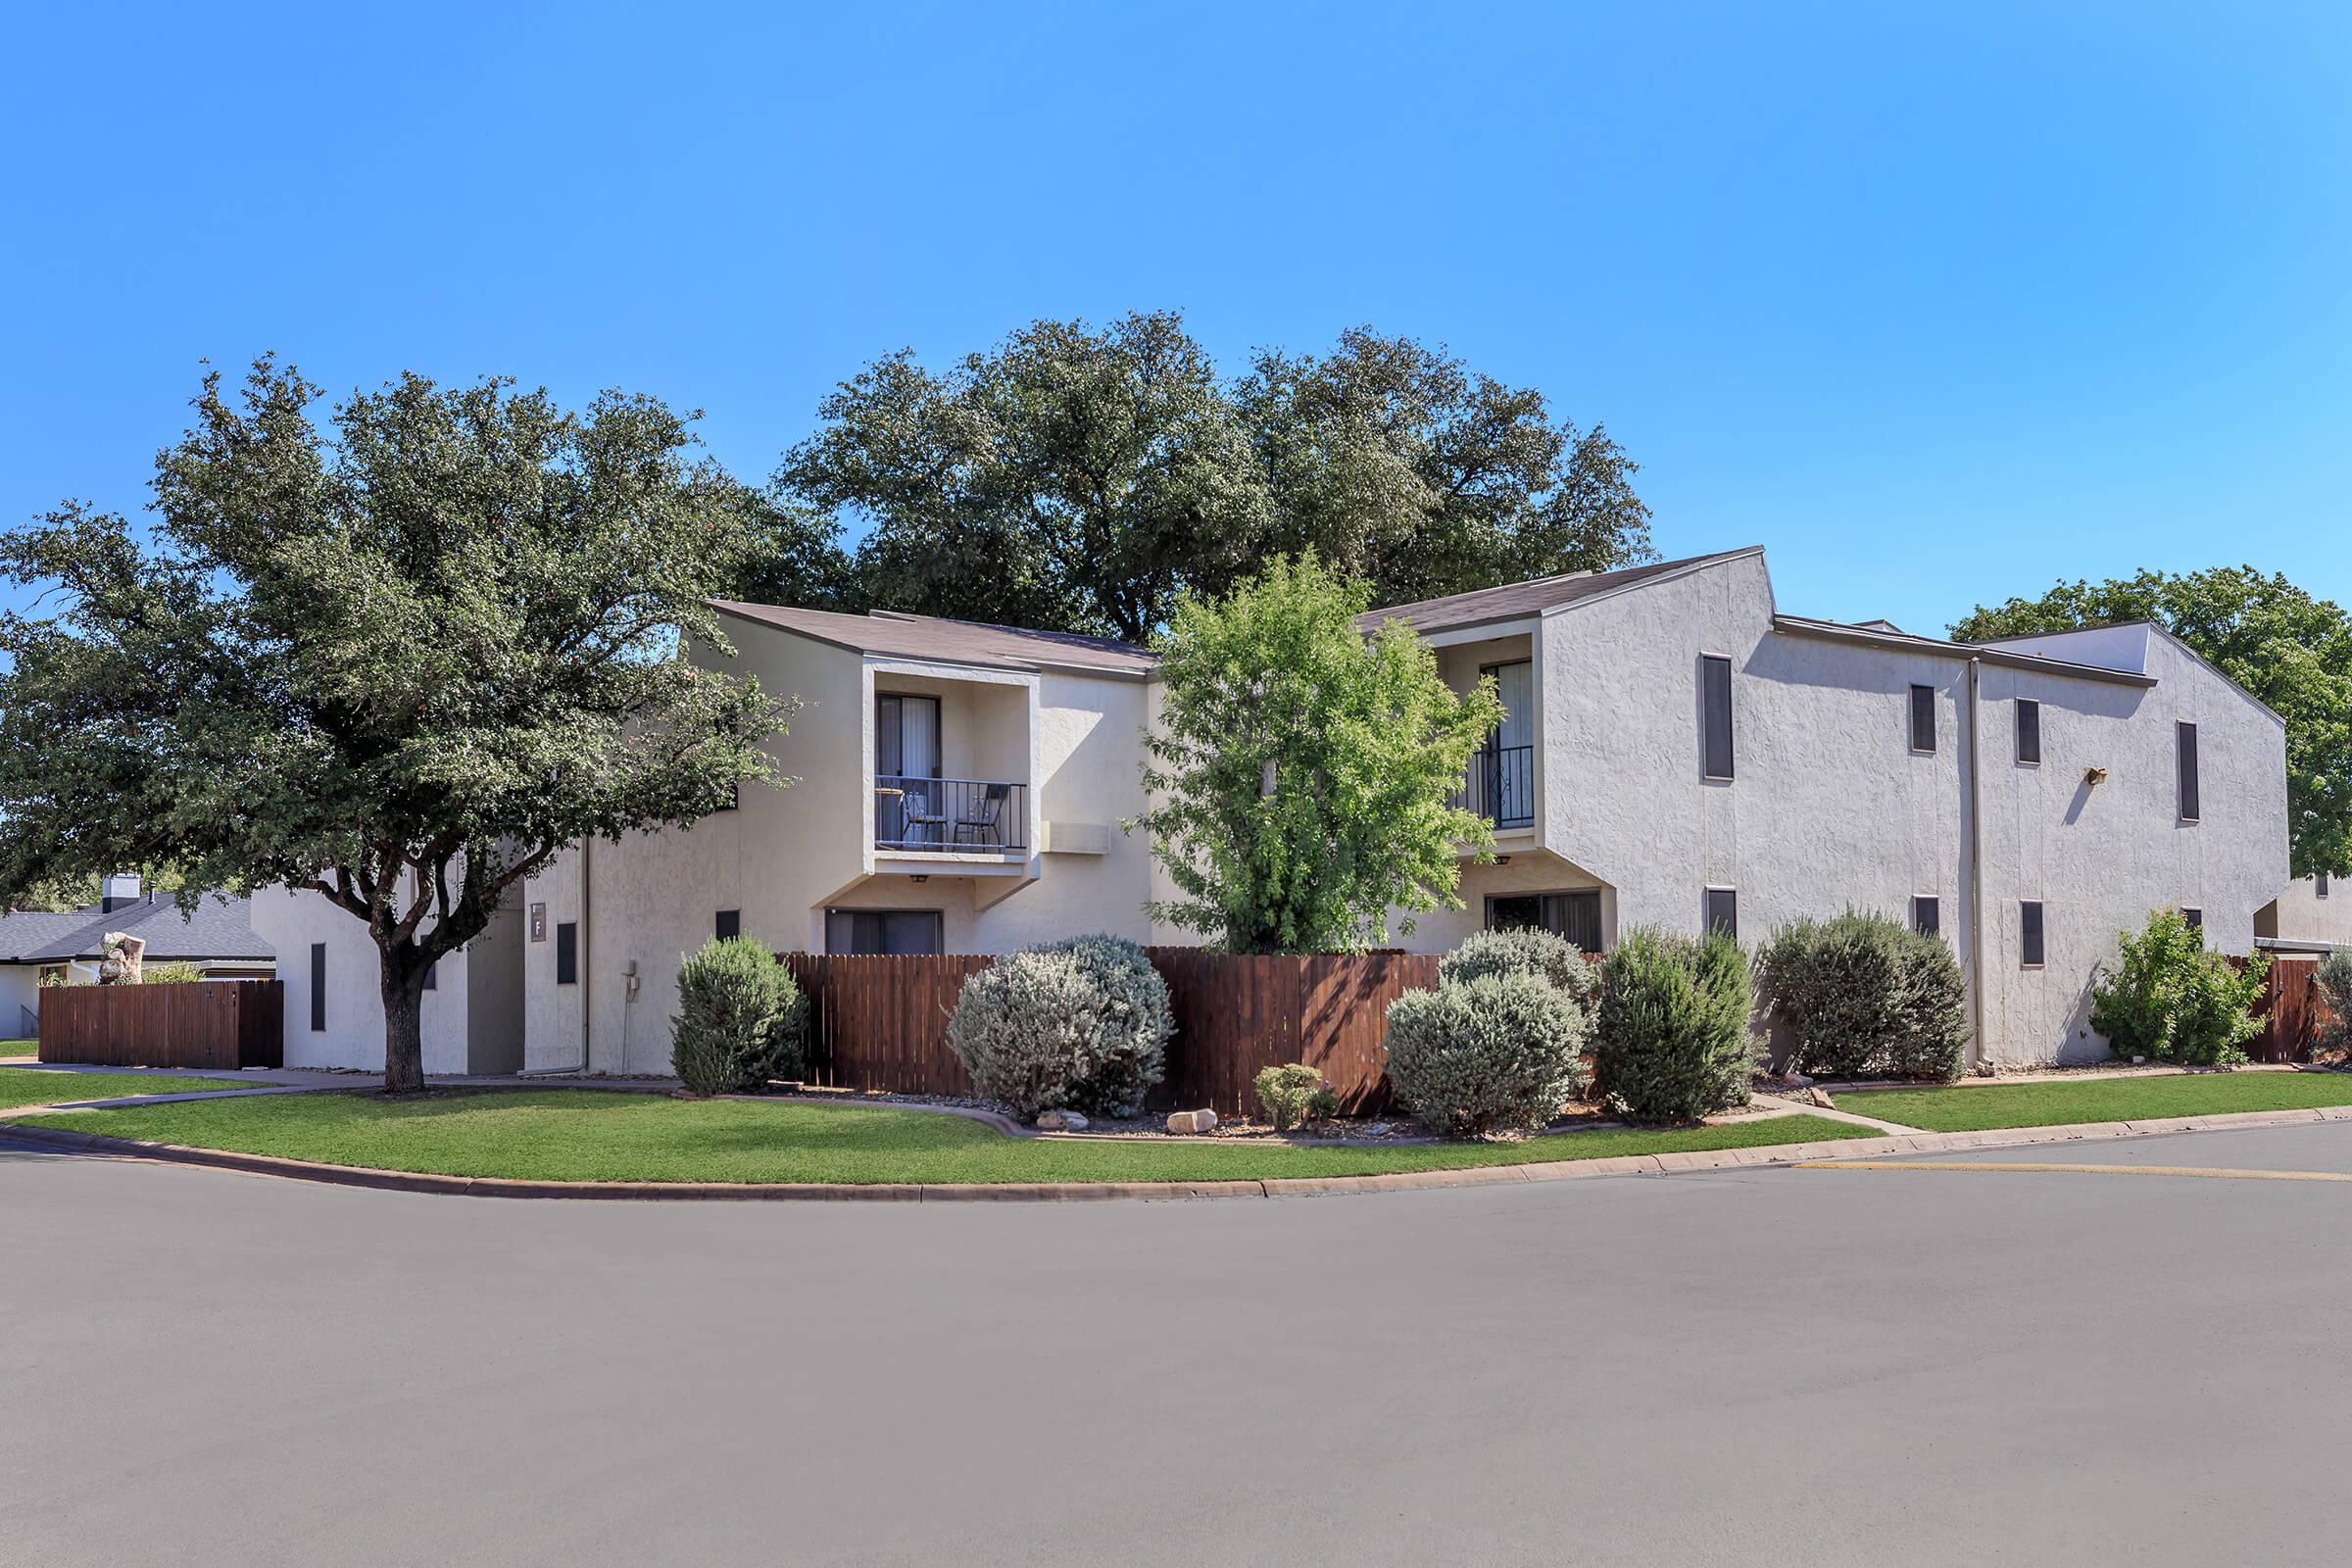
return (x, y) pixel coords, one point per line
(580, 1066)
(1976, 861)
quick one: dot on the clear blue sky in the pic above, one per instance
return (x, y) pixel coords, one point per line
(1938, 308)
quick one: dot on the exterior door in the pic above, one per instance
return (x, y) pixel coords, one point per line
(906, 754)
(1507, 764)
(1574, 915)
(885, 931)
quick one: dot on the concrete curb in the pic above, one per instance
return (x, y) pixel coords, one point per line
(60, 1140)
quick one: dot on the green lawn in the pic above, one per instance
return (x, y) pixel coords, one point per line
(591, 1135)
(40, 1086)
(2052, 1105)
(20, 1047)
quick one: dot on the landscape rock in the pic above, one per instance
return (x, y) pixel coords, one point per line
(1821, 1097)
(1797, 1080)
(1192, 1121)
(1060, 1121)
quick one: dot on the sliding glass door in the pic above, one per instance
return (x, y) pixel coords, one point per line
(906, 764)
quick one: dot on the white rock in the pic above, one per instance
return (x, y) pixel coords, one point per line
(1060, 1121)
(1192, 1121)
(1797, 1080)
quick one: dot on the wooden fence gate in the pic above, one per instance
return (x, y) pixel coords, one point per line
(200, 1024)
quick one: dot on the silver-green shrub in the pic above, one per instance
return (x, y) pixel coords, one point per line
(1526, 951)
(741, 1020)
(1080, 1024)
(2333, 981)
(1496, 1054)
(1864, 996)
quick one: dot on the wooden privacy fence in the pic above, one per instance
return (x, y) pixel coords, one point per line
(205, 1024)
(2292, 1012)
(881, 1022)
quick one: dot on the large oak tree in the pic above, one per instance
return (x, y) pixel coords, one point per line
(1079, 478)
(401, 661)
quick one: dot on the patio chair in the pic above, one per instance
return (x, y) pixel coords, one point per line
(985, 818)
(922, 814)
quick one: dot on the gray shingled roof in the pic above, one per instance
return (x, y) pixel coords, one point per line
(220, 927)
(1515, 600)
(896, 635)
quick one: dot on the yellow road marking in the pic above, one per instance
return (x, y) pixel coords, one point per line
(2084, 1170)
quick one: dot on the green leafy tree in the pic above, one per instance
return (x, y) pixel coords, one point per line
(1401, 465)
(1305, 772)
(1070, 478)
(2292, 651)
(1078, 478)
(402, 664)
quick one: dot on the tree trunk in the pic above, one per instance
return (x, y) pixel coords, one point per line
(404, 1019)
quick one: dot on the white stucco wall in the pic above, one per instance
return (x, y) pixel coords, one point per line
(290, 920)
(19, 987)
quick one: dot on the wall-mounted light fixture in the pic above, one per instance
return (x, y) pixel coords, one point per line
(2095, 776)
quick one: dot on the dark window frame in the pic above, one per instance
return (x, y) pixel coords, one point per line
(939, 929)
(1718, 734)
(568, 952)
(727, 923)
(2029, 732)
(1932, 904)
(2194, 915)
(1923, 716)
(318, 988)
(2319, 884)
(2184, 771)
(2032, 932)
(1566, 912)
(1708, 919)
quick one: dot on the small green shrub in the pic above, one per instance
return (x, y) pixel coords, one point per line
(1674, 1038)
(1322, 1104)
(2169, 1000)
(2333, 981)
(741, 1020)
(1080, 1024)
(1525, 951)
(1283, 1093)
(1864, 996)
(175, 973)
(1496, 1054)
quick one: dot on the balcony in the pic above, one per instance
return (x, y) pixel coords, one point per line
(1500, 785)
(951, 816)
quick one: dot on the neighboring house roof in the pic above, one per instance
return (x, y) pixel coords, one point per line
(1515, 601)
(1905, 642)
(220, 927)
(896, 635)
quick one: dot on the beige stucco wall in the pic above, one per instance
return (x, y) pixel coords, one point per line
(2302, 915)
(788, 854)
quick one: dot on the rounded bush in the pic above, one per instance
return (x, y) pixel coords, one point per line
(1864, 996)
(2169, 999)
(1525, 951)
(1283, 1093)
(1080, 1024)
(1674, 1042)
(1496, 1054)
(741, 1020)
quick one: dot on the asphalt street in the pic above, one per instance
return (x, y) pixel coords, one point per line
(1759, 1367)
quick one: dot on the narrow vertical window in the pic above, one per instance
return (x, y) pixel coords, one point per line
(568, 954)
(1715, 681)
(1723, 912)
(2186, 747)
(729, 924)
(2319, 884)
(1923, 719)
(432, 975)
(317, 985)
(1926, 915)
(2194, 917)
(2030, 932)
(2029, 731)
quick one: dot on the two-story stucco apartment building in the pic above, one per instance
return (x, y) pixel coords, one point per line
(1677, 751)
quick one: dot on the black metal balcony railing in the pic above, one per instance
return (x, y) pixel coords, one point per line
(950, 814)
(1500, 785)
